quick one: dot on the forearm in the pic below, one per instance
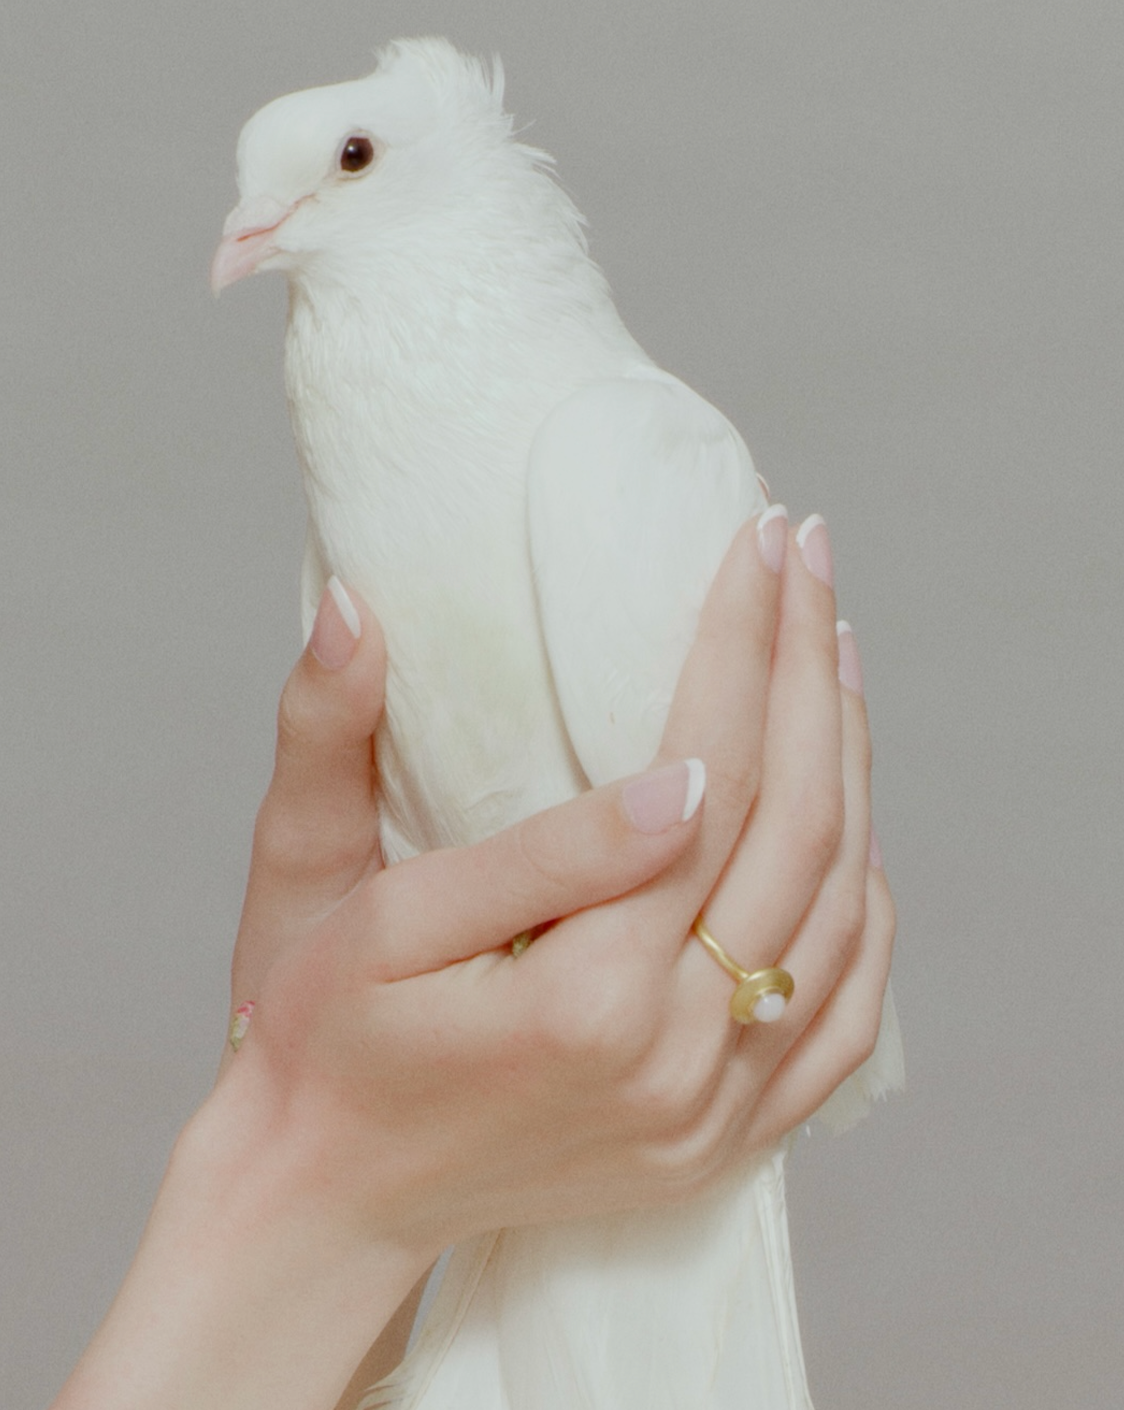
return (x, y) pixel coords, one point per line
(243, 1293)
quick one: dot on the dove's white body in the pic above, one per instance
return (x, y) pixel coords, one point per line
(534, 511)
(417, 491)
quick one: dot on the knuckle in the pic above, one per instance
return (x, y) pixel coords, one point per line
(542, 870)
(732, 783)
(607, 1022)
(684, 1167)
(861, 1040)
(301, 847)
(846, 921)
(596, 1027)
(279, 842)
(294, 717)
(672, 1104)
(856, 1045)
(665, 1102)
(816, 815)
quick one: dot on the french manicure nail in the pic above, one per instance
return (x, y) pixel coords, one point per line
(658, 800)
(815, 548)
(772, 536)
(850, 667)
(336, 629)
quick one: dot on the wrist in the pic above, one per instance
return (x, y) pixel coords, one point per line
(249, 1288)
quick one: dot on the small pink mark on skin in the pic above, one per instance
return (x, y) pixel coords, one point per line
(240, 1022)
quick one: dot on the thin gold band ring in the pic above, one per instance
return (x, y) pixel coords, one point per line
(761, 997)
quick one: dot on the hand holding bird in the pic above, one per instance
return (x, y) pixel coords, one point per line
(403, 1077)
(535, 512)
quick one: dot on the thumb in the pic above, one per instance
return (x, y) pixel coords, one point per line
(320, 815)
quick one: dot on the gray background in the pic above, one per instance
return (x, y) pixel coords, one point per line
(886, 239)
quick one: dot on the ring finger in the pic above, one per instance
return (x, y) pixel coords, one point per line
(795, 829)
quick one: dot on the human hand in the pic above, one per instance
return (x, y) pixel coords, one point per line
(405, 1081)
(437, 1086)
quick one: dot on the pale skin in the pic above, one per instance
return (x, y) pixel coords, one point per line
(405, 1082)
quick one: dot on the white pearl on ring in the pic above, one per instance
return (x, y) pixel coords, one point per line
(769, 1007)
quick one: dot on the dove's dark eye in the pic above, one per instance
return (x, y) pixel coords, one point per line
(356, 154)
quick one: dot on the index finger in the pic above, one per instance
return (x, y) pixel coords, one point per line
(441, 907)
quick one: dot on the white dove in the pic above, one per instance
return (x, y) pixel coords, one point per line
(534, 511)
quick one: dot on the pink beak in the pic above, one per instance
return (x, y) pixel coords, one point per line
(247, 239)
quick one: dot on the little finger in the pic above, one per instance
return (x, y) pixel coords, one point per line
(855, 1026)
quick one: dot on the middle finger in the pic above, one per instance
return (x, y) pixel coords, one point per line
(795, 828)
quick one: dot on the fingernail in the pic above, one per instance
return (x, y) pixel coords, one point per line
(761, 480)
(850, 667)
(658, 800)
(772, 536)
(815, 548)
(335, 632)
(875, 850)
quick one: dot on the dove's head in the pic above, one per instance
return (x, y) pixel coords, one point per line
(328, 175)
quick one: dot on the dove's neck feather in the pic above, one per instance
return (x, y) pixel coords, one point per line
(444, 343)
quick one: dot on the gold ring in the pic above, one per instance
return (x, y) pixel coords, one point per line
(761, 997)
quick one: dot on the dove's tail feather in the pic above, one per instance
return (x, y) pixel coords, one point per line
(684, 1310)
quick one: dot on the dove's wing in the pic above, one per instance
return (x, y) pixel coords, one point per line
(636, 486)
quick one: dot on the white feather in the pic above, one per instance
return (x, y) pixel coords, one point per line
(534, 511)
(635, 486)
(584, 1316)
